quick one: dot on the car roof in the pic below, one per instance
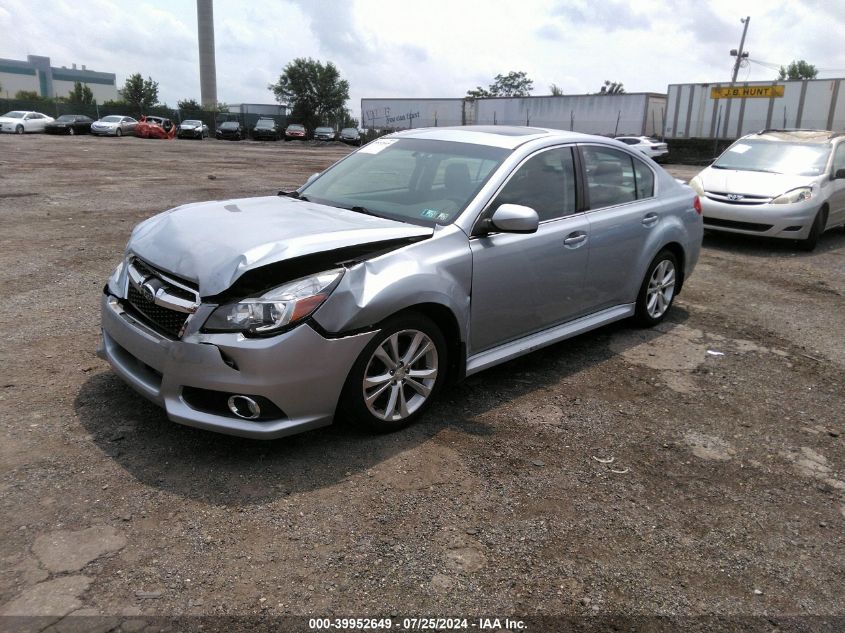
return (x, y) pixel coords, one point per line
(795, 136)
(504, 136)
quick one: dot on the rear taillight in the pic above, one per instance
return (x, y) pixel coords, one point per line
(697, 205)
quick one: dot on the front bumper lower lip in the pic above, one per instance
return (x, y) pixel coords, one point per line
(779, 216)
(300, 371)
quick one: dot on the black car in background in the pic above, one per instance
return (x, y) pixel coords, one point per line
(70, 124)
(230, 130)
(266, 129)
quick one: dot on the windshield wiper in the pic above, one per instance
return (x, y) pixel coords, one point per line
(364, 210)
(293, 194)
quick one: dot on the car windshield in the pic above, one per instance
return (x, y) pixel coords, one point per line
(66, 118)
(14, 114)
(110, 119)
(349, 130)
(424, 182)
(265, 123)
(796, 159)
(295, 127)
(323, 130)
(229, 125)
(192, 122)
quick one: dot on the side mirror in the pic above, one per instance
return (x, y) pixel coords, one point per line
(840, 174)
(312, 178)
(514, 218)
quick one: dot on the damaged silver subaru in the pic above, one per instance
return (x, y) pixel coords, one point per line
(421, 258)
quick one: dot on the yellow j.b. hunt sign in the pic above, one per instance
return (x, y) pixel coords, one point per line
(746, 92)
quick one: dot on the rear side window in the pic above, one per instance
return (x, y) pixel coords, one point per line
(545, 182)
(614, 177)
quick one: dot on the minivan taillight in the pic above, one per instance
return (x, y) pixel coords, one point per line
(697, 205)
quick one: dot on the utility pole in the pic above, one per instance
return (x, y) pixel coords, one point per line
(740, 55)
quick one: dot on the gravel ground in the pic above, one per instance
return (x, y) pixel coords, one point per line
(725, 496)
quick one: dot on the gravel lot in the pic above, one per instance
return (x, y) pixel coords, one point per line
(726, 423)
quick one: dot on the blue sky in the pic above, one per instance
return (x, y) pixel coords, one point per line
(436, 48)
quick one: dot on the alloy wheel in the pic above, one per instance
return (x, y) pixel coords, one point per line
(400, 375)
(661, 288)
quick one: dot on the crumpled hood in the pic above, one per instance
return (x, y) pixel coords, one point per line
(752, 183)
(214, 243)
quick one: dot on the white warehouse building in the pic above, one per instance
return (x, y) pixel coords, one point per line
(37, 75)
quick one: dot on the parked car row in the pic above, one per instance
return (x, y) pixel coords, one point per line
(20, 122)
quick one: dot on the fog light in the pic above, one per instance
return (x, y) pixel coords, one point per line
(244, 407)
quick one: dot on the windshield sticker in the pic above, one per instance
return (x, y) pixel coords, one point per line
(377, 145)
(429, 213)
(741, 148)
(442, 216)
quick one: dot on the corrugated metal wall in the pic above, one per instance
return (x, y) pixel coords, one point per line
(692, 112)
(636, 113)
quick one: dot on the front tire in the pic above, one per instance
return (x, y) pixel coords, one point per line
(397, 375)
(658, 290)
(19, 129)
(118, 133)
(809, 243)
(71, 131)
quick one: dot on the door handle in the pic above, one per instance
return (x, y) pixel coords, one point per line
(650, 219)
(575, 240)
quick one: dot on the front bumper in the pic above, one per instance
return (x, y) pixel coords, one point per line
(300, 371)
(785, 221)
(104, 131)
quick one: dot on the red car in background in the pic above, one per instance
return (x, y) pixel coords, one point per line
(295, 131)
(155, 127)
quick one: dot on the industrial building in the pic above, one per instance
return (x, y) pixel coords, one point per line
(728, 111)
(36, 74)
(629, 113)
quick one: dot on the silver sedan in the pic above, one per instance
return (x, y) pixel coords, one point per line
(421, 258)
(114, 125)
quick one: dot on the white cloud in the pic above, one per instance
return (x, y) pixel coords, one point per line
(439, 48)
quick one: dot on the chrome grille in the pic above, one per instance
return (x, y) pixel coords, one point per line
(736, 198)
(161, 300)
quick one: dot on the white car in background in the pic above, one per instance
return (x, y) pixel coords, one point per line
(651, 147)
(21, 121)
(787, 184)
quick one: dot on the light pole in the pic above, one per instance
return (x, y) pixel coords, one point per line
(739, 54)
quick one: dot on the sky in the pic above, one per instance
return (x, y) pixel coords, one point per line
(436, 48)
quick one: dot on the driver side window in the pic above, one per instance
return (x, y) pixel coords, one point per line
(545, 182)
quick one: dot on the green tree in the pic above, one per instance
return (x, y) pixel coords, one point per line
(797, 69)
(28, 95)
(189, 105)
(139, 93)
(611, 88)
(81, 94)
(555, 90)
(514, 84)
(313, 91)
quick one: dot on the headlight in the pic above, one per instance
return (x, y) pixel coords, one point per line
(802, 194)
(697, 185)
(277, 308)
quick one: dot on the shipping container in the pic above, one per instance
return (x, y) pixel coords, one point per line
(728, 111)
(609, 115)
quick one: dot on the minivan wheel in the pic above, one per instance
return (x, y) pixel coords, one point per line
(397, 375)
(658, 289)
(809, 243)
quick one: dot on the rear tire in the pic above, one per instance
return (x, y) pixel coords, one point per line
(657, 291)
(809, 243)
(397, 376)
